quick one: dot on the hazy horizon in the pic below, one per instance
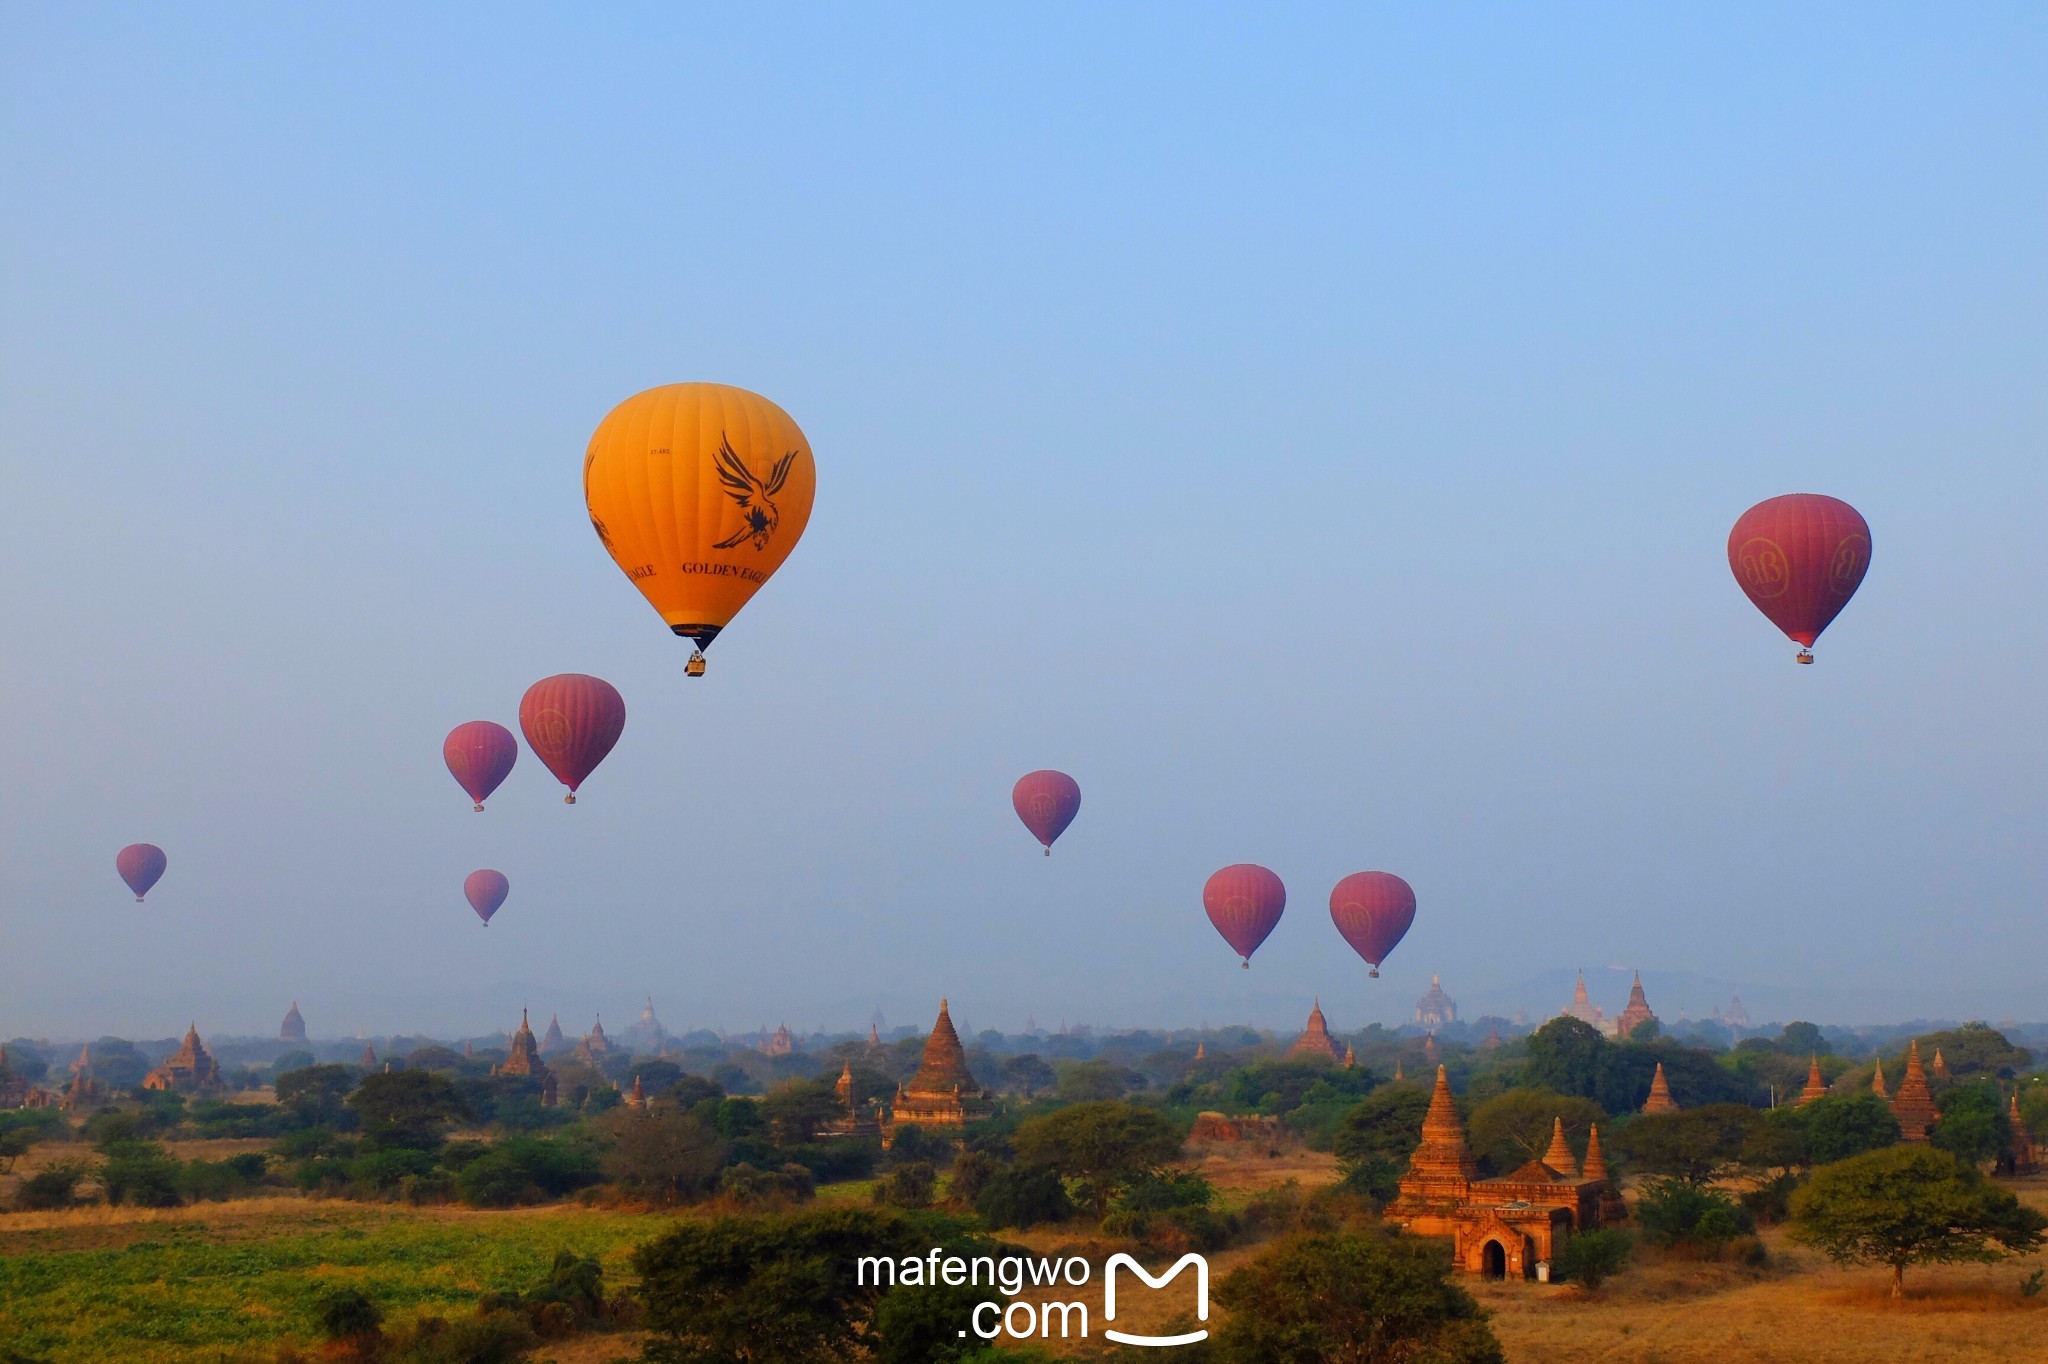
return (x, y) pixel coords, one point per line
(1316, 432)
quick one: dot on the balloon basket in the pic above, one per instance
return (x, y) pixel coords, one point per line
(695, 667)
(1803, 656)
(569, 799)
(1374, 973)
(478, 807)
(1245, 965)
(138, 899)
(1048, 852)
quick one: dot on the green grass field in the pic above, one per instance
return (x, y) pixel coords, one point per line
(213, 1280)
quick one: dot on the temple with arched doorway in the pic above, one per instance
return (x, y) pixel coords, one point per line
(1505, 1227)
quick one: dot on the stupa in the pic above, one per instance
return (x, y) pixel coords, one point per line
(1314, 1042)
(1635, 1013)
(1816, 1088)
(944, 1092)
(293, 1029)
(1913, 1105)
(1660, 1100)
(524, 1060)
(553, 1041)
(1436, 1009)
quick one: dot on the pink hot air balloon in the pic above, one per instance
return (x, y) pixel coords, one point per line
(1244, 902)
(571, 721)
(480, 754)
(141, 865)
(1047, 802)
(1373, 910)
(486, 891)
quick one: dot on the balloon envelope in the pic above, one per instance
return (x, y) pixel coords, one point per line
(480, 754)
(1373, 910)
(571, 721)
(698, 492)
(1047, 802)
(1800, 558)
(141, 865)
(486, 890)
(1244, 902)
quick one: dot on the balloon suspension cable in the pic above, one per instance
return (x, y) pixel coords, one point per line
(569, 799)
(1804, 656)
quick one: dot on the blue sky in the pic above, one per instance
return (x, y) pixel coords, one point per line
(1316, 429)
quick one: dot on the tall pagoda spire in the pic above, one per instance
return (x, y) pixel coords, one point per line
(1913, 1105)
(1816, 1088)
(1596, 1163)
(1940, 1067)
(1559, 1157)
(1444, 1150)
(1877, 1081)
(1660, 1100)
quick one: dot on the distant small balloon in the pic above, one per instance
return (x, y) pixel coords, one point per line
(571, 721)
(1047, 802)
(1373, 910)
(1799, 558)
(480, 754)
(141, 865)
(1244, 902)
(486, 891)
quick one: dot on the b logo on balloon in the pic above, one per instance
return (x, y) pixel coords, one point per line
(549, 732)
(1845, 568)
(1765, 569)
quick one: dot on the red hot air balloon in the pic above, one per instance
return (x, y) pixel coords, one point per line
(571, 721)
(480, 754)
(486, 891)
(1244, 902)
(1800, 558)
(1047, 802)
(141, 865)
(1373, 910)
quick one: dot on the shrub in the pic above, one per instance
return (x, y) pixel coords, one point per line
(141, 1174)
(380, 1173)
(1675, 1213)
(911, 1186)
(971, 1170)
(346, 1314)
(52, 1187)
(490, 1337)
(922, 1325)
(745, 1183)
(1771, 1201)
(1023, 1196)
(1589, 1257)
(526, 1170)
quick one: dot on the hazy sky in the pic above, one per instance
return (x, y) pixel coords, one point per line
(1315, 429)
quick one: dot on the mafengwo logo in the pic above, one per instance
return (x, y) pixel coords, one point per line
(1027, 1318)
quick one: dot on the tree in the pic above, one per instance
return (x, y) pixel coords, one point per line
(1565, 1055)
(1841, 1126)
(796, 1109)
(316, 1096)
(779, 1288)
(13, 1146)
(662, 1155)
(1696, 1145)
(1977, 1049)
(1973, 1125)
(1023, 1196)
(347, 1315)
(910, 1186)
(922, 1325)
(1801, 1039)
(1673, 1212)
(1081, 1081)
(406, 1109)
(1354, 1298)
(1102, 1145)
(1910, 1205)
(1027, 1074)
(1386, 1126)
(1514, 1128)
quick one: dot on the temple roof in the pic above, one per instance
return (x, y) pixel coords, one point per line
(1596, 1163)
(944, 1067)
(1315, 1037)
(1816, 1088)
(1444, 1149)
(1559, 1157)
(1913, 1105)
(1660, 1100)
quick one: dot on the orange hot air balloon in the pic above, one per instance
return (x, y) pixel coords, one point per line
(699, 492)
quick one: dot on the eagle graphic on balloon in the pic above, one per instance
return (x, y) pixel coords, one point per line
(753, 494)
